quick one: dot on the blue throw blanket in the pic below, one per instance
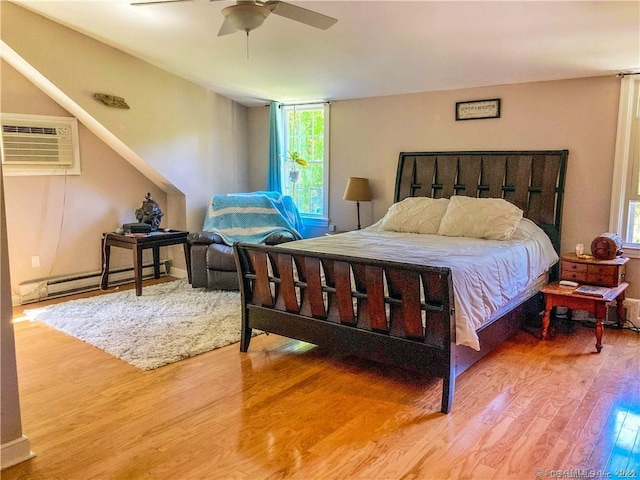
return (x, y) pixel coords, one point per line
(252, 217)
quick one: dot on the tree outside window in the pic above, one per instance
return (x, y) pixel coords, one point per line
(304, 172)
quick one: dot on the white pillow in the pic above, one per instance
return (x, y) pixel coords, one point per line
(415, 215)
(490, 218)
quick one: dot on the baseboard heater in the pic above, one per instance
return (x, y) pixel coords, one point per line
(38, 290)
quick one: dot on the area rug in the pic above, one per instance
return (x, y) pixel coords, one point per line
(167, 323)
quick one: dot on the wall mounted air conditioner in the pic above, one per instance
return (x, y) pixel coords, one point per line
(39, 145)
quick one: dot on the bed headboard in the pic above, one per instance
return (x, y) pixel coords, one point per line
(532, 180)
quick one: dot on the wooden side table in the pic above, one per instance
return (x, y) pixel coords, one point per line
(137, 243)
(557, 295)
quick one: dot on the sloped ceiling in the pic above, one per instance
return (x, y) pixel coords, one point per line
(376, 48)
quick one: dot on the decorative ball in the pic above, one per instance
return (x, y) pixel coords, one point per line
(607, 246)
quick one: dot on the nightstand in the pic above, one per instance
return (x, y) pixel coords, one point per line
(557, 295)
(604, 273)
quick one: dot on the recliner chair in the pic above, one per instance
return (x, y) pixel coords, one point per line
(212, 262)
(256, 217)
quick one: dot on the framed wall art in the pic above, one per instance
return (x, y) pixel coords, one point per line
(478, 109)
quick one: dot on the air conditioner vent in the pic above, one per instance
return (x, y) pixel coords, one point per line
(39, 145)
(19, 129)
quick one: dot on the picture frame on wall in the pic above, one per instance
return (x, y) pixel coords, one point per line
(478, 109)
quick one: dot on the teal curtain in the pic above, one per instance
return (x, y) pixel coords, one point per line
(274, 181)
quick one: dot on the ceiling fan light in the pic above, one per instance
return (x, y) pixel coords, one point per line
(246, 17)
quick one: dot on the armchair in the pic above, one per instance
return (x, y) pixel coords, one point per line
(212, 262)
(232, 218)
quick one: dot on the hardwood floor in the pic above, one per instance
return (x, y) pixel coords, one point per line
(287, 409)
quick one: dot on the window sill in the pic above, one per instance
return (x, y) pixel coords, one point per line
(631, 250)
(318, 222)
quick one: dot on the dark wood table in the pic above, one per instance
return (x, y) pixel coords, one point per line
(137, 242)
(557, 295)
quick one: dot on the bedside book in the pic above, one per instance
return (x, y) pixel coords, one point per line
(592, 290)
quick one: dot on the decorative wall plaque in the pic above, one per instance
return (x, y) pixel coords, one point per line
(477, 109)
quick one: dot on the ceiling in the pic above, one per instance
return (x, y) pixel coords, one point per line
(376, 48)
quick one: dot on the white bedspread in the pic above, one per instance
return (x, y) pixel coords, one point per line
(487, 274)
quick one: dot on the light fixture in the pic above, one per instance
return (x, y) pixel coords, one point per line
(246, 17)
(357, 191)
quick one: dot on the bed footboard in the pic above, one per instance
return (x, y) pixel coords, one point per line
(395, 313)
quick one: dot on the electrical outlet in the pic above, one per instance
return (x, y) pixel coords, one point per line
(35, 261)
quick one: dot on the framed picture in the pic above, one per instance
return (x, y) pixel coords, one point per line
(477, 109)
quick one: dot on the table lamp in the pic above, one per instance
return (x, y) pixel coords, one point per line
(357, 191)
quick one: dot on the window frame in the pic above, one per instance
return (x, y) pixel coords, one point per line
(626, 171)
(311, 220)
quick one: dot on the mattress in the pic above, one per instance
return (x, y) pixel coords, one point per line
(488, 276)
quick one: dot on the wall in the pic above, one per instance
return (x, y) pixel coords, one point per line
(368, 134)
(14, 447)
(62, 219)
(193, 137)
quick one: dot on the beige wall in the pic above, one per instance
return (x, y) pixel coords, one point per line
(198, 139)
(194, 138)
(60, 219)
(10, 417)
(368, 134)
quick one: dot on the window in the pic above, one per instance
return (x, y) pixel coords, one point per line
(306, 137)
(625, 203)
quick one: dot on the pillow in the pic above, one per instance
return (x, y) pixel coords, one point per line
(415, 215)
(490, 218)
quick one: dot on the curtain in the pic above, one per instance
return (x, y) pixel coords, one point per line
(274, 181)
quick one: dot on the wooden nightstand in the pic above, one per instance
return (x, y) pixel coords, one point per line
(557, 295)
(604, 273)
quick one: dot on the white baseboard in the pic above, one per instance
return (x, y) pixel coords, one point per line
(15, 451)
(633, 309)
(44, 289)
(178, 272)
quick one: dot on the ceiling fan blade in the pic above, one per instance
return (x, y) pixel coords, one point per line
(226, 28)
(157, 2)
(300, 14)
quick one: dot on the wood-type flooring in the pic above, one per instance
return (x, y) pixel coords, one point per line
(286, 409)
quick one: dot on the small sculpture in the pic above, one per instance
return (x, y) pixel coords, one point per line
(149, 213)
(111, 100)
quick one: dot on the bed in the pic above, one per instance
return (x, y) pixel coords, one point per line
(376, 294)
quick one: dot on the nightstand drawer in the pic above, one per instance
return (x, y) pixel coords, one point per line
(602, 269)
(573, 271)
(602, 280)
(605, 275)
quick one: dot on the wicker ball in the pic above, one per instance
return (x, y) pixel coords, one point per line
(607, 246)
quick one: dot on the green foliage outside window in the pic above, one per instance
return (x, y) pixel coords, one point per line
(635, 230)
(305, 139)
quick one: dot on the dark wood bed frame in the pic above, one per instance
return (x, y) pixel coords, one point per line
(392, 312)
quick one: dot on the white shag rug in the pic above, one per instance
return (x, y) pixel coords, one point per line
(167, 323)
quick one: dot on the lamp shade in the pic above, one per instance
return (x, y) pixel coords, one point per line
(357, 190)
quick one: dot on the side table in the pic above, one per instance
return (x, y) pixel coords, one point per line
(557, 295)
(137, 242)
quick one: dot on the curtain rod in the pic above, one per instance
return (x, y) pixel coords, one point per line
(624, 74)
(300, 104)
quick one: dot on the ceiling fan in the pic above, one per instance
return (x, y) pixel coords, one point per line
(249, 15)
